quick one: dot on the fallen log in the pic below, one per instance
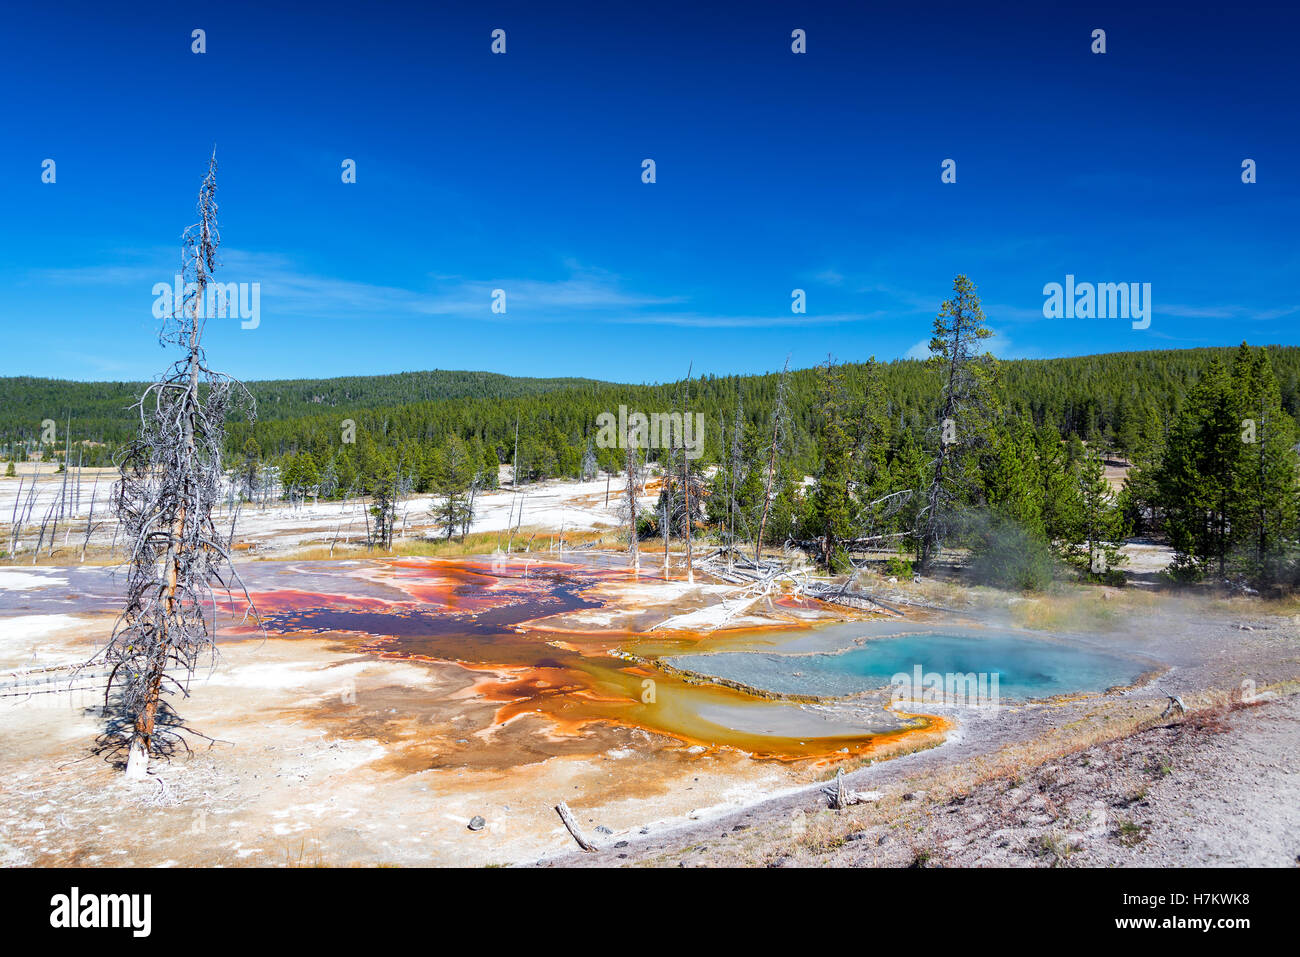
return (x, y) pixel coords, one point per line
(842, 797)
(851, 599)
(566, 816)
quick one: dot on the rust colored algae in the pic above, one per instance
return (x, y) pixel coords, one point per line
(482, 616)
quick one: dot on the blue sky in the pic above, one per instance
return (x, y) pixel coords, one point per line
(775, 171)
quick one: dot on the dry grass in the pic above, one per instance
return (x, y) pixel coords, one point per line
(1288, 607)
(821, 833)
(527, 541)
(1083, 608)
(64, 556)
(885, 753)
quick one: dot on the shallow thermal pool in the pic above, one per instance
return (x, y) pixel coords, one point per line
(1027, 666)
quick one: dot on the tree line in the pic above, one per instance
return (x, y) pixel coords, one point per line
(1000, 465)
(1110, 401)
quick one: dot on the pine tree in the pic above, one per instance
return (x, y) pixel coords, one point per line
(491, 468)
(1100, 524)
(1198, 477)
(869, 429)
(1010, 548)
(1267, 478)
(831, 507)
(965, 406)
(299, 475)
(910, 472)
(250, 463)
(383, 483)
(452, 482)
(780, 442)
(1059, 491)
(1139, 498)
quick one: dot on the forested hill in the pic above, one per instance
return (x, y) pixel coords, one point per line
(98, 409)
(1112, 398)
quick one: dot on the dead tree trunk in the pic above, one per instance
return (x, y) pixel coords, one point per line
(737, 437)
(778, 415)
(686, 481)
(664, 520)
(630, 505)
(14, 528)
(90, 518)
(170, 482)
(514, 466)
(566, 816)
(842, 797)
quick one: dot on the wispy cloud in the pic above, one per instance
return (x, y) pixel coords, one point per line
(751, 321)
(583, 294)
(1237, 312)
(1004, 313)
(920, 350)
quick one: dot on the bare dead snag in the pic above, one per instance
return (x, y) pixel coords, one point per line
(842, 797)
(686, 483)
(630, 505)
(778, 424)
(1174, 702)
(663, 521)
(170, 482)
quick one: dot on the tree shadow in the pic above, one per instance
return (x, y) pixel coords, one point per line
(169, 735)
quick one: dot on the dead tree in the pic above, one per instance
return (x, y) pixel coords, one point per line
(842, 797)
(780, 428)
(63, 487)
(663, 524)
(737, 436)
(629, 508)
(170, 482)
(668, 488)
(514, 463)
(15, 528)
(686, 482)
(566, 816)
(91, 524)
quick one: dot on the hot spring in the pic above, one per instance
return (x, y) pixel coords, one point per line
(1027, 666)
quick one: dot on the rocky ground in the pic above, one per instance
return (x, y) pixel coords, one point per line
(1219, 787)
